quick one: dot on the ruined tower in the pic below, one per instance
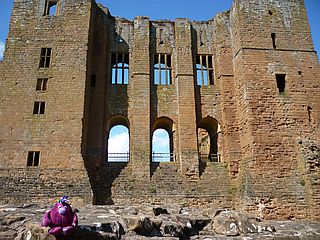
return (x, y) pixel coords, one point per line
(238, 96)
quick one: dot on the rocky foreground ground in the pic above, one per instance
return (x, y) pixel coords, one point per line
(151, 222)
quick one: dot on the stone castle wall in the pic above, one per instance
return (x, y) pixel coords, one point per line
(57, 134)
(268, 140)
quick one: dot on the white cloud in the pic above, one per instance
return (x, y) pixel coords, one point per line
(160, 141)
(1, 50)
(119, 143)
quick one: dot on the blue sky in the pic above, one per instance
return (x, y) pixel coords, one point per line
(168, 9)
(118, 141)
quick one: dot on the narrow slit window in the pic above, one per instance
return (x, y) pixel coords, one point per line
(120, 68)
(39, 107)
(309, 113)
(201, 42)
(33, 159)
(120, 39)
(160, 36)
(281, 82)
(51, 8)
(42, 84)
(204, 70)
(45, 57)
(273, 37)
(162, 69)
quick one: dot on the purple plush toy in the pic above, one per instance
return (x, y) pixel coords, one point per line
(60, 219)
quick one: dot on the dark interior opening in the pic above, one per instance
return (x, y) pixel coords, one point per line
(281, 82)
(309, 113)
(33, 158)
(273, 36)
(93, 80)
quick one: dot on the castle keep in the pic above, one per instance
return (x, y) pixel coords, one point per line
(239, 96)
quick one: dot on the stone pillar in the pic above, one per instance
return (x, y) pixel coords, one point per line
(139, 105)
(230, 137)
(187, 134)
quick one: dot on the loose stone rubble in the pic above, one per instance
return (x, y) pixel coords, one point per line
(153, 222)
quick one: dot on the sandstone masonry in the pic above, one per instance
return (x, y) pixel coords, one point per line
(238, 95)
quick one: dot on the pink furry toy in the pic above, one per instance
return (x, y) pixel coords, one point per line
(60, 219)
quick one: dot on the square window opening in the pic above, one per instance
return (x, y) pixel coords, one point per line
(39, 107)
(51, 8)
(45, 57)
(42, 84)
(33, 159)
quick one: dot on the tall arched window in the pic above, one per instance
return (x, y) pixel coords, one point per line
(118, 139)
(120, 68)
(162, 140)
(161, 146)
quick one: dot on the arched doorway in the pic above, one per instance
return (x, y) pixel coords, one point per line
(208, 129)
(161, 146)
(162, 140)
(118, 139)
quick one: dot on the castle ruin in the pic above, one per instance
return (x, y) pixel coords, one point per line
(238, 95)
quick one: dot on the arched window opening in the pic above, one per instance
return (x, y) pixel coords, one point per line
(120, 68)
(208, 140)
(118, 139)
(161, 146)
(162, 69)
(162, 140)
(118, 144)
